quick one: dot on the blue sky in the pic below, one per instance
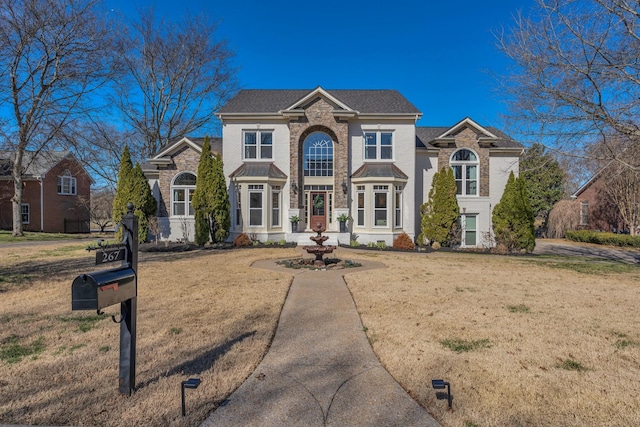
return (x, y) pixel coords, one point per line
(440, 55)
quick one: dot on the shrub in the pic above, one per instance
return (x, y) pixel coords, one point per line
(513, 221)
(435, 246)
(381, 245)
(354, 243)
(439, 214)
(403, 241)
(602, 238)
(241, 240)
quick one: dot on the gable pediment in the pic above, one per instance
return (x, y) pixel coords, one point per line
(298, 109)
(483, 136)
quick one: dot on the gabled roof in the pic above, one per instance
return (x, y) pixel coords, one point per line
(274, 101)
(379, 170)
(431, 136)
(38, 165)
(258, 169)
(194, 142)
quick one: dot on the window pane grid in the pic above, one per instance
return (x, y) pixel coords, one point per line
(318, 155)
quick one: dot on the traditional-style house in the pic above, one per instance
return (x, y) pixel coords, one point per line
(56, 192)
(321, 154)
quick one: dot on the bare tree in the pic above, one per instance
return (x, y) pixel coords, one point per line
(178, 75)
(100, 207)
(565, 216)
(54, 54)
(576, 76)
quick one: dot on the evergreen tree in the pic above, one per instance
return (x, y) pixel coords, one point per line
(544, 178)
(123, 187)
(221, 217)
(202, 200)
(143, 200)
(440, 212)
(513, 220)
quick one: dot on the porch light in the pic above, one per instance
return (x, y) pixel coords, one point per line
(344, 187)
(294, 187)
(441, 395)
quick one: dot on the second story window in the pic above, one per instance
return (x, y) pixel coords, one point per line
(378, 146)
(465, 170)
(258, 145)
(67, 184)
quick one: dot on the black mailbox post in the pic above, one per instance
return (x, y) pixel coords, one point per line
(101, 289)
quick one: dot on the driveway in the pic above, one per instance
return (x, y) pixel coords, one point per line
(576, 249)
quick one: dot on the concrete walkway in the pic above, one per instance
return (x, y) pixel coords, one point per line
(320, 369)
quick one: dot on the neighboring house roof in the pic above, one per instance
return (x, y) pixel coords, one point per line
(261, 169)
(261, 101)
(38, 165)
(589, 183)
(379, 170)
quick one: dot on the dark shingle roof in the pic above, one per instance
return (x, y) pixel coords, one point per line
(381, 101)
(425, 135)
(216, 143)
(379, 170)
(36, 166)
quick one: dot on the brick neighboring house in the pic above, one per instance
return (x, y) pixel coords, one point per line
(318, 154)
(54, 183)
(597, 212)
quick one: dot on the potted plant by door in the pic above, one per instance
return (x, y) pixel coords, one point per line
(342, 219)
(294, 223)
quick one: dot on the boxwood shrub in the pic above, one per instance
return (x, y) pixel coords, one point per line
(604, 238)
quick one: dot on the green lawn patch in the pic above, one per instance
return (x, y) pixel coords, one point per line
(460, 346)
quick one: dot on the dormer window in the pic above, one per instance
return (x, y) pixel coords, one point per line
(465, 171)
(67, 184)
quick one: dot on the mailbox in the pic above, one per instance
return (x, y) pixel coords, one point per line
(100, 289)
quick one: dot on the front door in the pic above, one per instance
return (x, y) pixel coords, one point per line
(318, 209)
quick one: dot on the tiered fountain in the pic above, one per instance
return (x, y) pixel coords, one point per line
(319, 249)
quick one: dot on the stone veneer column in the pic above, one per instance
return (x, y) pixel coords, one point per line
(469, 139)
(319, 117)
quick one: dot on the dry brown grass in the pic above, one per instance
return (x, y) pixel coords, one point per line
(203, 314)
(556, 346)
(563, 346)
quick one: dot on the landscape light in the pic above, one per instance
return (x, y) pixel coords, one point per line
(190, 383)
(440, 385)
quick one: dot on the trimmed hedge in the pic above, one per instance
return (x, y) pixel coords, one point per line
(603, 238)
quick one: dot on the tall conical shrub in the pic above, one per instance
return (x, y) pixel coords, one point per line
(440, 212)
(203, 195)
(513, 219)
(123, 187)
(221, 215)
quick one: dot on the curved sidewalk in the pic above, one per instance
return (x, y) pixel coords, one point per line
(320, 369)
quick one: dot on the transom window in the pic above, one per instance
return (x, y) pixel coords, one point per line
(465, 171)
(182, 188)
(378, 145)
(258, 144)
(67, 184)
(318, 155)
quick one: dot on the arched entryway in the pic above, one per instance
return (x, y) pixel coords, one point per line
(318, 172)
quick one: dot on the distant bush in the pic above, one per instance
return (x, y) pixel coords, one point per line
(603, 238)
(241, 240)
(403, 241)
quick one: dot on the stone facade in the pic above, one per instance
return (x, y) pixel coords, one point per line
(467, 138)
(319, 117)
(184, 160)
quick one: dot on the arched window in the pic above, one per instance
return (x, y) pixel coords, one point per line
(318, 155)
(182, 188)
(67, 184)
(465, 170)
